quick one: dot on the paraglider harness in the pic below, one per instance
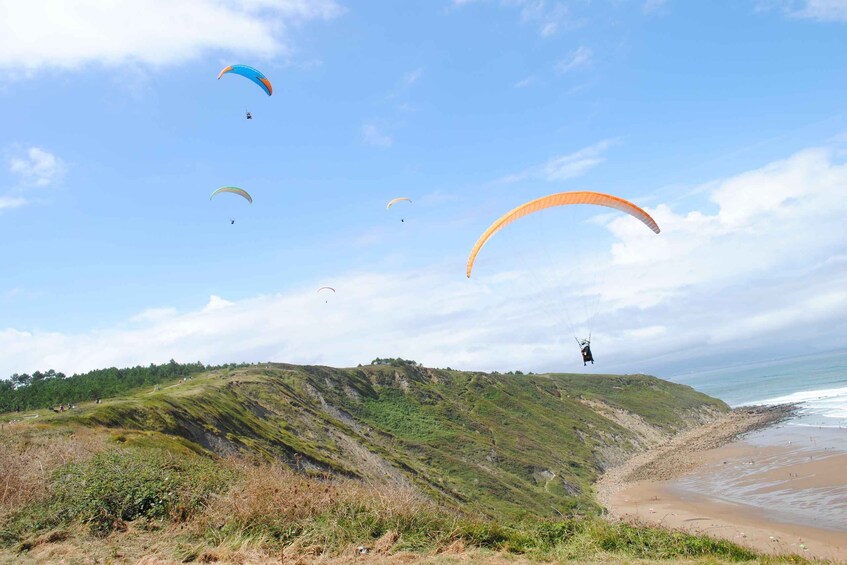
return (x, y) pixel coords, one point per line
(249, 115)
(585, 349)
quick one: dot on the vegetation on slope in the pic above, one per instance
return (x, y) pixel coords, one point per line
(122, 497)
(502, 445)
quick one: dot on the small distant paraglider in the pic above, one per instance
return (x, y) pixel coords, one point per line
(233, 190)
(395, 201)
(326, 288)
(251, 74)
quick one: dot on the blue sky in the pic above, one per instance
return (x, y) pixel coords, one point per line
(725, 120)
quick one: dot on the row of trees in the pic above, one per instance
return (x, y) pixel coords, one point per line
(44, 390)
(395, 362)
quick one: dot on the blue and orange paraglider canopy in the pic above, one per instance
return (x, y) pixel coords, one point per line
(249, 73)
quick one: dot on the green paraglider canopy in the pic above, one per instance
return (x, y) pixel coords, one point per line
(233, 190)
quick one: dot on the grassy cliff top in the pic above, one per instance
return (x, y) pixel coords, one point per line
(503, 445)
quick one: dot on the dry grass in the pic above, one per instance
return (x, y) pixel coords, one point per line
(30, 454)
(274, 489)
(273, 506)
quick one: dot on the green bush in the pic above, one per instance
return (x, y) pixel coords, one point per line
(125, 485)
(655, 543)
(549, 534)
(120, 486)
(482, 534)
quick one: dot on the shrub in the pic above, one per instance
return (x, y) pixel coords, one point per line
(124, 485)
(121, 485)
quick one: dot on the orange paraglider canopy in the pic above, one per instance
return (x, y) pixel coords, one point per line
(561, 199)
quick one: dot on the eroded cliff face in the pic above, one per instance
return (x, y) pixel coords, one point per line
(512, 444)
(614, 450)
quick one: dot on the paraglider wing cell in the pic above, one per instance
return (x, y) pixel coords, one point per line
(249, 73)
(233, 190)
(561, 199)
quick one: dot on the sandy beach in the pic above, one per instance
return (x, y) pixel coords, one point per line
(780, 489)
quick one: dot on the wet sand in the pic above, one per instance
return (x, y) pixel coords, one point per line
(782, 489)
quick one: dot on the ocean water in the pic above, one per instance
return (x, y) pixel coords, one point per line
(779, 483)
(817, 382)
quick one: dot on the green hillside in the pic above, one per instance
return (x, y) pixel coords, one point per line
(308, 459)
(499, 444)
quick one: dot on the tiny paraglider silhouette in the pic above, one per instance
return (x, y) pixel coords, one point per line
(326, 288)
(233, 190)
(395, 201)
(249, 115)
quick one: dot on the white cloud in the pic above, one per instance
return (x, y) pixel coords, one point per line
(37, 168)
(9, 202)
(412, 77)
(13, 293)
(373, 135)
(34, 168)
(761, 261)
(579, 58)
(528, 81)
(564, 167)
(653, 6)
(216, 303)
(648, 332)
(372, 132)
(575, 164)
(298, 326)
(39, 34)
(153, 314)
(765, 260)
(403, 86)
(820, 10)
(549, 17)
